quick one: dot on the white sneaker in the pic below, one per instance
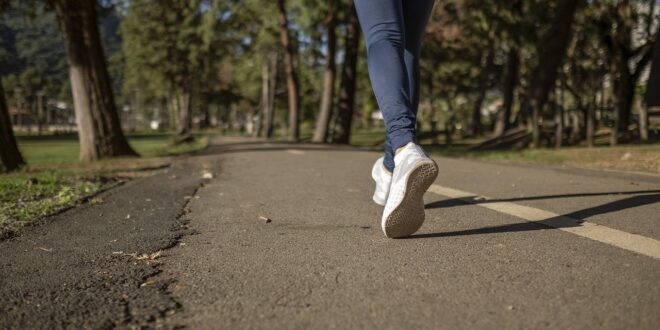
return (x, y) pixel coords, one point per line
(383, 180)
(414, 172)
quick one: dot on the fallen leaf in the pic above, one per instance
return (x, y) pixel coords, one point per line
(151, 256)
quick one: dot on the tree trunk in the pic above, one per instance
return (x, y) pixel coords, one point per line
(99, 128)
(184, 115)
(591, 123)
(552, 51)
(625, 95)
(10, 156)
(503, 122)
(449, 123)
(559, 124)
(291, 76)
(270, 114)
(576, 129)
(433, 117)
(265, 96)
(323, 120)
(476, 127)
(342, 131)
(628, 76)
(206, 112)
(652, 95)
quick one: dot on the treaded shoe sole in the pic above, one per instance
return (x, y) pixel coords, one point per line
(409, 215)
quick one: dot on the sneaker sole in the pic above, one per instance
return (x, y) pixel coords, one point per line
(409, 215)
(376, 199)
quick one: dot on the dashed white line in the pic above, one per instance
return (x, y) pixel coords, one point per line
(621, 239)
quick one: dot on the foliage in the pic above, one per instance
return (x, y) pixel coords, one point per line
(218, 48)
(24, 196)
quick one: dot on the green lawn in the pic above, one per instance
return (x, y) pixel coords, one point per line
(629, 157)
(54, 178)
(63, 149)
(26, 196)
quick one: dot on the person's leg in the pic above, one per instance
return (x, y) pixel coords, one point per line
(383, 27)
(416, 14)
(388, 161)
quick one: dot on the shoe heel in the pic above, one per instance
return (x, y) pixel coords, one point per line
(409, 216)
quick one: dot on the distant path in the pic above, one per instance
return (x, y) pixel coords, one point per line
(478, 262)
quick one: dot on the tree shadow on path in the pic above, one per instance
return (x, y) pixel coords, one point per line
(573, 219)
(475, 199)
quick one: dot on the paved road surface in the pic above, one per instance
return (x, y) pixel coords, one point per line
(478, 262)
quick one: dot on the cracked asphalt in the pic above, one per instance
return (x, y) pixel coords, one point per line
(323, 262)
(84, 268)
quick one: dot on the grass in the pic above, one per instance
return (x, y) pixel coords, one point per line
(630, 157)
(54, 178)
(63, 149)
(26, 196)
(642, 158)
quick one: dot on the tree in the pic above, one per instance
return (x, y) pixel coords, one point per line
(476, 126)
(99, 128)
(552, 50)
(268, 81)
(630, 59)
(652, 96)
(291, 74)
(342, 132)
(503, 121)
(37, 48)
(323, 119)
(164, 47)
(511, 26)
(10, 156)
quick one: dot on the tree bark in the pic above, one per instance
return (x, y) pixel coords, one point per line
(628, 76)
(576, 123)
(184, 115)
(323, 120)
(271, 97)
(291, 75)
(503, 122)
(342, 131)
(559, 120)
(265, 96)
(10, 157)
(552, 51)
(449, 123)
(591, 123)
(476, 127)
(652, 94)
(206, 123)
(625, 93)
(99, 127)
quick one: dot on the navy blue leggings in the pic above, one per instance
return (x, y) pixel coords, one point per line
(393, 31)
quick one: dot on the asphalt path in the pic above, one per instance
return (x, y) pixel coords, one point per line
(504, 246)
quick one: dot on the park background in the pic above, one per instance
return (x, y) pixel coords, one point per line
(89, 85)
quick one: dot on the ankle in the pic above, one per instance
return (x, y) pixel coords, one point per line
(398, 150)
(386, 170)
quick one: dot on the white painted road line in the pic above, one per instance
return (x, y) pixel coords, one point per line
(621, 239)
(295, 152)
